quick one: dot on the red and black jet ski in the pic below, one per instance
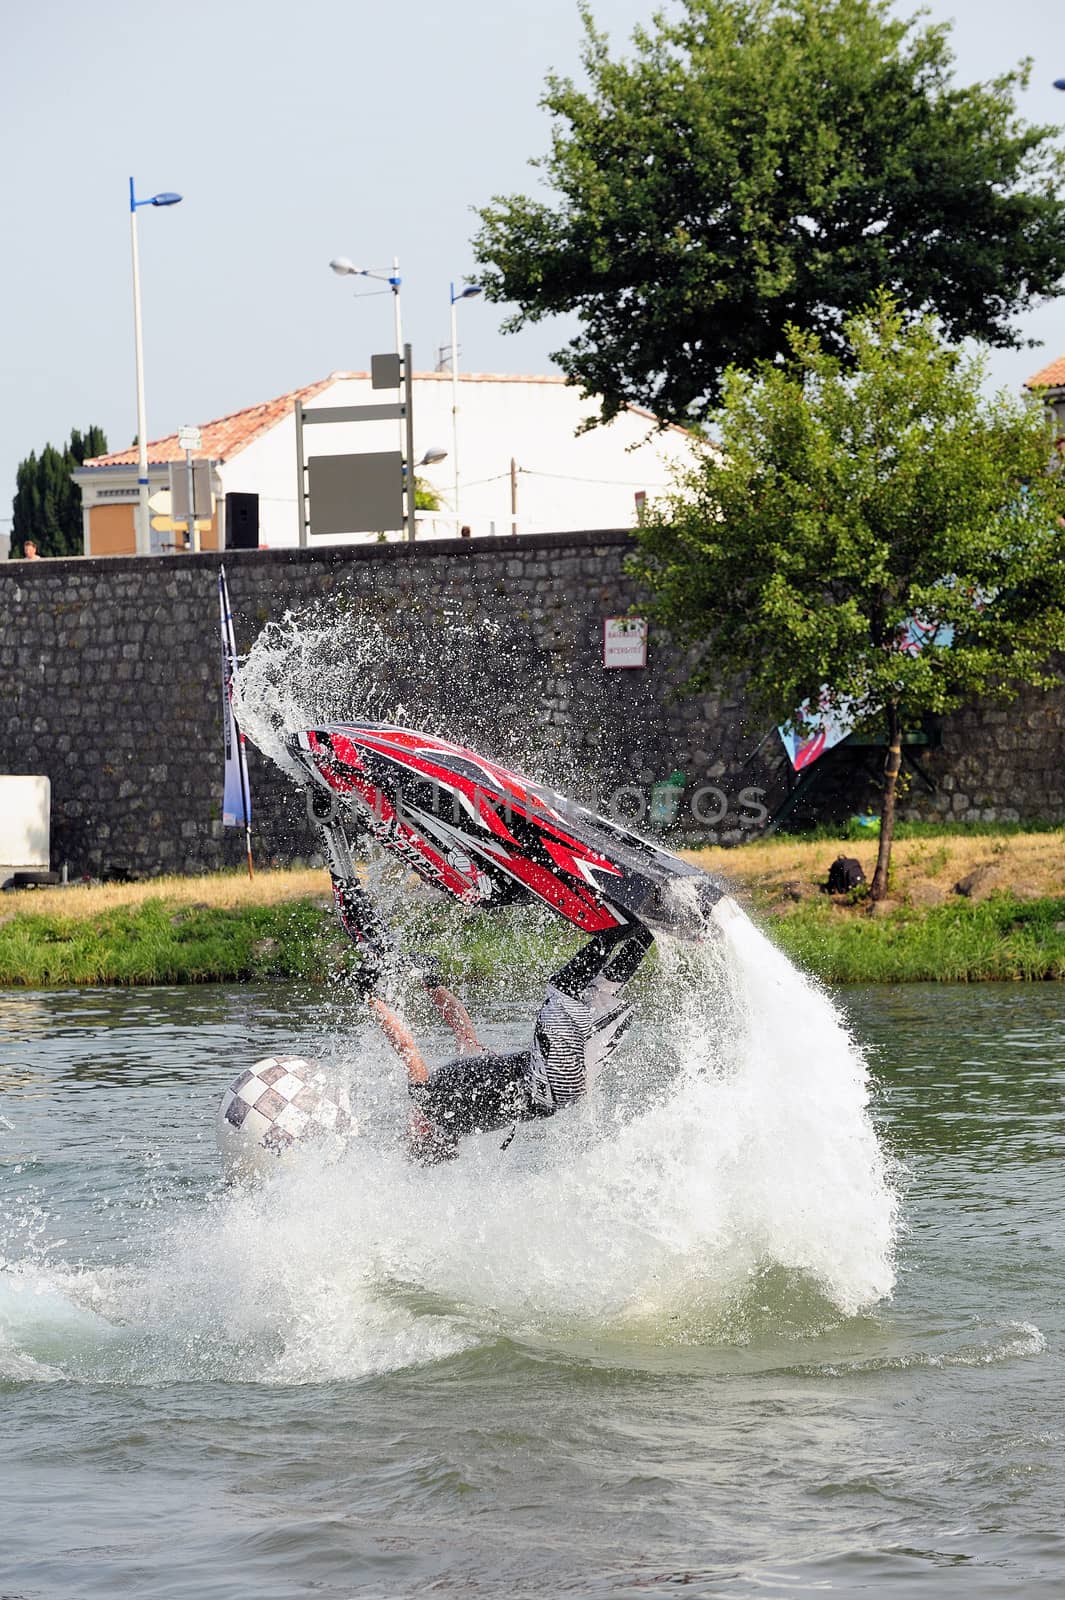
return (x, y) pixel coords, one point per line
(489, 837)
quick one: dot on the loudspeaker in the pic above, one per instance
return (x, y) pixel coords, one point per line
(242, 521)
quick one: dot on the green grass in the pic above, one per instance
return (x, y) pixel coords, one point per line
(160, 942)
(476, 946)
(157, 942)
(854, 828)
(1001, 938)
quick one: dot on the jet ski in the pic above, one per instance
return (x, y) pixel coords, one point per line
(490, 837)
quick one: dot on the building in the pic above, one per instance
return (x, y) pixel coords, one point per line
(526, 466)
(1052, 381)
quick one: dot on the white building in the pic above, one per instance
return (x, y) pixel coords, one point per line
(525, 466)
(1051, 381)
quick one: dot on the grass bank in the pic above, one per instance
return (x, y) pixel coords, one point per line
(964, 905)
(223, 928)
(1001, 938)
(159, 940)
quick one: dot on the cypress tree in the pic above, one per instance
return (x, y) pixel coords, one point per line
(47, 504)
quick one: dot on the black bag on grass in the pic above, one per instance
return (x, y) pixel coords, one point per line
(844, 874)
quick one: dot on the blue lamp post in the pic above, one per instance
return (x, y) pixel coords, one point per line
(467, 292)
(143, 532)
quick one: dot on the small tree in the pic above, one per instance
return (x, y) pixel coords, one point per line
(47, 504)
(426, 497)
(757, 163)
(849, 498)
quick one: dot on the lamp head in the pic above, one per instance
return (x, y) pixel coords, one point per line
(344, 268)
(165, 199)
(432, 456)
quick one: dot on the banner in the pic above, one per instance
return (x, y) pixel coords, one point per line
(236, 795)
(829, 727)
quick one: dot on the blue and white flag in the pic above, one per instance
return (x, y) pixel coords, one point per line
(236, 795)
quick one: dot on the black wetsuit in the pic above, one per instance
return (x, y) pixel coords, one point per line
(470, 1094)
(577, 1028)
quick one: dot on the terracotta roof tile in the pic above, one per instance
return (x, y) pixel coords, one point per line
(1052, 377)
(226, 436)
(223, 437)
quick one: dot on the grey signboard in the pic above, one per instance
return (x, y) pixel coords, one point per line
(385, 372)
(355, 493)
(179, 490)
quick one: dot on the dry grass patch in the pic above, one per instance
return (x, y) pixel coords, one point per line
(216, 890)
(1031, 865)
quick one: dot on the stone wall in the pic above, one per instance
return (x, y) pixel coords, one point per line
(111, 687)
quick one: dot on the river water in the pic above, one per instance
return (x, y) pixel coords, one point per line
(753, 1337)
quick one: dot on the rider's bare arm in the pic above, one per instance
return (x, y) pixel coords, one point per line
(458, 1019)
(401, 1039)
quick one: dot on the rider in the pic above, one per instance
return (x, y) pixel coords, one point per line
(577, 1027)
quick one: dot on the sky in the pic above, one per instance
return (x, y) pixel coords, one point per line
(297, 133)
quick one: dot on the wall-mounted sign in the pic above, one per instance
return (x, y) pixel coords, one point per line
(624, 641)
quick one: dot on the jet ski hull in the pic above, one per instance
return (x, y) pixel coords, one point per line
(490, 837)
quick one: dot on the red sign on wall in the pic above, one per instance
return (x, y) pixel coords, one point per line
(624, 641)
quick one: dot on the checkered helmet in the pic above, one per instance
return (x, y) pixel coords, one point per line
(280, 1103)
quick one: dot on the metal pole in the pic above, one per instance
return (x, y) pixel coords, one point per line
(192, 540)
(143, 536)
(395, 302)
(513, 496)
(408, 386)
(244, 799)
(455, 405)
(399, 331)
(301, 487)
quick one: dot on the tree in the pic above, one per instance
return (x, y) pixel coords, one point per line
(426, 497)
(47, 505)
(850, 499)
(764, 163)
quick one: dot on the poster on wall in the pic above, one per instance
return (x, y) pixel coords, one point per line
(624, 641)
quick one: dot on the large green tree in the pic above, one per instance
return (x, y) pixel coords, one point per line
(47, 505)
(761, 163)
(849, 498)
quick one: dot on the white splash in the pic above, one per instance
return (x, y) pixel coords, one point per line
(729, 1179)
(733, 1184)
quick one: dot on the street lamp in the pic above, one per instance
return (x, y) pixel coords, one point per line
(466, 293)
(347, 269)
(143, 537)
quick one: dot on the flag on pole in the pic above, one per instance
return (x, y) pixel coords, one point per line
(236, 795)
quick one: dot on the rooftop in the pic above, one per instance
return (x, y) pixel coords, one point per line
(223, 437)
(227, 436)
(1052, 377)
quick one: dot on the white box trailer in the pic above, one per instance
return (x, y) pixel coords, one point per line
(25, 830)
